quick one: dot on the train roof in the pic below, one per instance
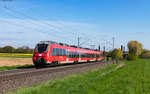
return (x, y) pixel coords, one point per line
(64, 44)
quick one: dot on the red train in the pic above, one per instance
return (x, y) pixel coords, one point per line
(49, 52)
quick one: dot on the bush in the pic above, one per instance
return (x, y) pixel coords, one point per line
(145, 54)
(135, 49)
(132, 57)
(116, 54)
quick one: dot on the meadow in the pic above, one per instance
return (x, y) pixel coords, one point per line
(126, 77)
(14, 60)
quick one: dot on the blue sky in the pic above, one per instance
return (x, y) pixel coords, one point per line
(95, 21)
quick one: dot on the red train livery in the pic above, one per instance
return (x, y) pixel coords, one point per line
(49, 52)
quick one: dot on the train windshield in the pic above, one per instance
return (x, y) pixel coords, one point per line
(41, 48)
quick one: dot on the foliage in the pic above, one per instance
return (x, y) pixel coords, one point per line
(116, 53)
(135, 49)
(128, 79)
(145, 54)
(10, 49)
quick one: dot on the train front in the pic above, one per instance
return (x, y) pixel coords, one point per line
(40, 55)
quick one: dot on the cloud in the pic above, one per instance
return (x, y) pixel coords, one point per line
(19, 32)
(31, 32)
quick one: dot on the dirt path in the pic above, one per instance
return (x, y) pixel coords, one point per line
(15, 61)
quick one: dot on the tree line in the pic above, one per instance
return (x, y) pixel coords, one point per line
(10, 49)
(135, 51)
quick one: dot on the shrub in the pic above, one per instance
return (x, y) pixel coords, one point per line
(132, 57)
(135, 49)
(116, 54)
(145, 54)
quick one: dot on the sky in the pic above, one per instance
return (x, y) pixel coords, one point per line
(95, 22)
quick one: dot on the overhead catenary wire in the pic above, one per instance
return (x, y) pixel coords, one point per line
(35, 29)
(29, 17)
(56, 28)
(84, 34)
(32, 20)
(59, 23)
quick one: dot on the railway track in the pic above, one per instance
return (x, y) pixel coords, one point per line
(12, 80)
(33, 70)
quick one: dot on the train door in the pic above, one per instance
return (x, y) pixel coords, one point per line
(53, 54)
(79, 56)
(67, 57)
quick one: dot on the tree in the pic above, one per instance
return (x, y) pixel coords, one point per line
(24, 49)
(135, 49)
(116, 53)
(8, 49)
(1, 50)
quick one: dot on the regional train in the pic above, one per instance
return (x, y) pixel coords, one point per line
(50, 52)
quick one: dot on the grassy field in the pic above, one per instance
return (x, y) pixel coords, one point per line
(127, 77)
(13, 60)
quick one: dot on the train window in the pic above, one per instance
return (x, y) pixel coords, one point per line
(69, 54)
(72, 55)
(64, 52)
(83, 55)
(41, 48)
(56, 52)
(75, 55)
(52, 52)
(59, 52)
(97, 56)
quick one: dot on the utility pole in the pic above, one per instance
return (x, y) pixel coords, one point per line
(122, 48)
(113, 42)
(99, 47)
(104, 49)
(79, 41)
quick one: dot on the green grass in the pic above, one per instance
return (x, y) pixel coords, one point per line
(132, 78)
(15, 67)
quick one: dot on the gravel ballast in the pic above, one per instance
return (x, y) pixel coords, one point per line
(13, 82)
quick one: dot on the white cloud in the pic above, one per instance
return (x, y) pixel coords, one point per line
(30, 32)
(19, 32)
